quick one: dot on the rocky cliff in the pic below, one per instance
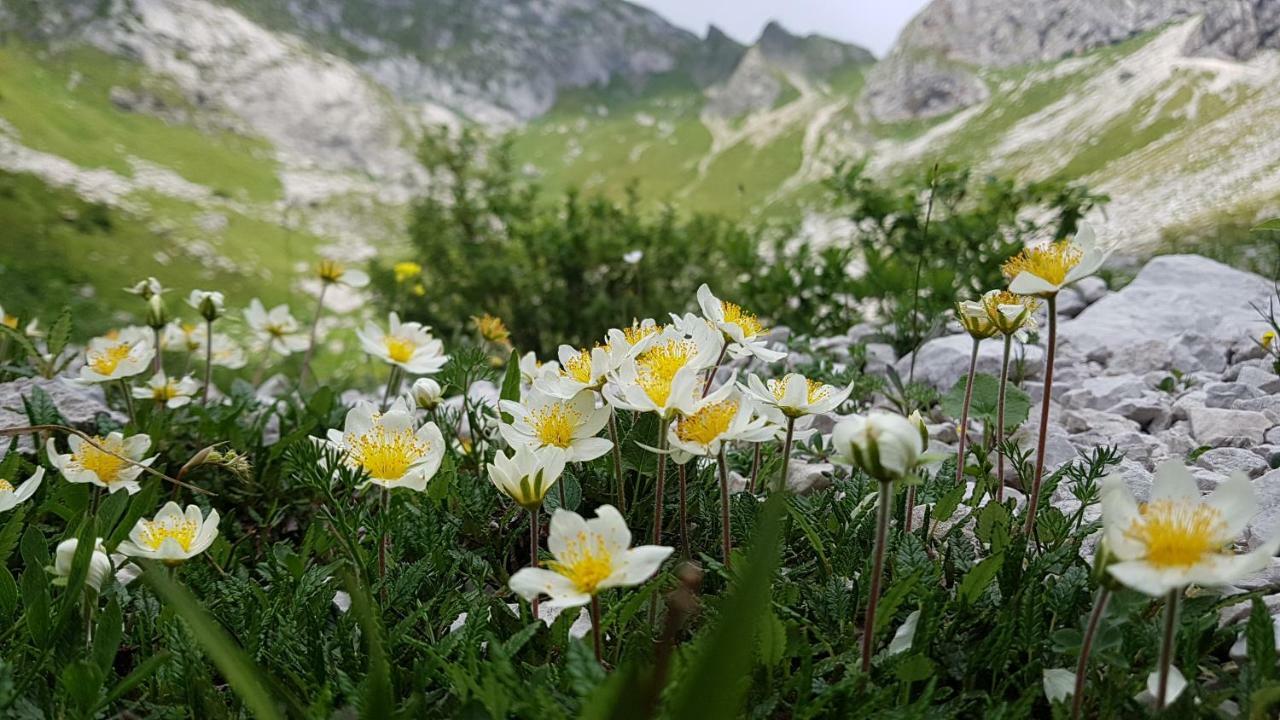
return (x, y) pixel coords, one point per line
(930, 70)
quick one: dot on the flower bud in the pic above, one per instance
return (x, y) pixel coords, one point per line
(146, 288)
(208, 303)
(99, 564)
(427, 393)
(918, 420)
(884, 445)
(157, 314)
(973, 318)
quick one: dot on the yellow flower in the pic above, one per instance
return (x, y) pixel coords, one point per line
(491, 328)
(407, 270)
(418, 290)
(1268, 339)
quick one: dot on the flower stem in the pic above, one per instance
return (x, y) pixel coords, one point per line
(963, 429)
(208, 360)
(706, 386)
(1166, 645)
(1033, 502)
(909, 520)
(684, 509)
(661, 482)
(726, 542)
(755, 469)
(382, 544)
(128, 402)
(311, 345)
(877, 570)
(595, 627)
(393, 384)
(786, 452)
(533, 552)
(1090, 632)
(159, 359)
(617, 460)
(1004, 379)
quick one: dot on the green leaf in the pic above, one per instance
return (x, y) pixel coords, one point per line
(35, 601)
(60, 332)
(985, 402)
(947, 503)
(992, 526)
(9, 535)
(711, 686)
(8, 593)
(140, 673)
(977, 580)
(40, 408)
(244, 675)
(511, 383)
(22, 341)
(914, 669)
(438, 488)
(108, 629)
(771, 640)
(1272, 224)
(376, 699)
(82, 682)
(1260, 638)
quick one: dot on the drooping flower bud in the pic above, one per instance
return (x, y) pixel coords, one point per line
(209, 303)
(157, 314)
(886, 446)
(146, 288)
(427, 393)
(973, 318)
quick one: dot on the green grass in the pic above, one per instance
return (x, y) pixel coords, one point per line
(59, 103)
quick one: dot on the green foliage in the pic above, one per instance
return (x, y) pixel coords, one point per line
(984, 405)
(948, 232)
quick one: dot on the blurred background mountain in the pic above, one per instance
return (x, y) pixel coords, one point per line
(227, 142)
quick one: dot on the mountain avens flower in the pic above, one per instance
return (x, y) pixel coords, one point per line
(388, 448)
(1042, 270)
(167, 391)
(662, 373)
(743, 332)
(795, 396)
(973, 318)
(172, 536)
(101, 566)
(409, 346)
(275, 330)
(491, 328)
(1009, 312)
(114, 463)
(427, 393)
(11, 497)
(332, 272)
(114, 358)
(209, 303)
(146, 289)
(546, 421)
(526, 474)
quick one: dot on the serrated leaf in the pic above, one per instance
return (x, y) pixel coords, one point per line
(947, 503)
(771, 640)
(1260, 638)
(1272, 224)
(82, 682)
(40, 408)
(511, 383)
(60, 332)
(22, 341)
(992, 526)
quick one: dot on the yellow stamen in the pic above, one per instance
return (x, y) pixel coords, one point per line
(5, 487)
(386, 455)
(491, 328)
(9, 321)
(814, 390)
(1177, 534)
(168, 391)
(103, 464)
(578, 367)
(658, 367)
(1050, 262)
(584, 565)
(105, 362)
(747, 322)
(155, 532)
(554, 424)
(399, 349)
(330, 271)
(638, 332)
(708, 423)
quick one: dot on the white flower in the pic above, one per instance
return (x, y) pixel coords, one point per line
(426, 393)
(527, 474)
(722, 417)
(742, 330)
(1176, 684)
(795, 395)
(88, 464)
(11, 496)
(226, 352)
(173, 536)
(663, 372)
(885, 445)
(173, 393)
(546, 421)
(590, 556)
(1178, 539)
(101, 567)
(332, 271)
(532, 371)
(1045, 269)
(209, 303)
(182, 336)
(276, 330)
(122, 355)
(409, 346)
(632, 257)
(1059, 684)
(1011, 313)
(387, 448)
(579, 370)
(974, 319)
(146, 289)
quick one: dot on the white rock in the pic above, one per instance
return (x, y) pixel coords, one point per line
(1227, 460)
(1266, 523)
(1237, 428)
(1102, 392)
(1225, 394)
(1256, 377)
(943, 361)
(1092, 289)
(1070, 303)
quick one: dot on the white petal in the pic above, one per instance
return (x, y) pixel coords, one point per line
(1174, 482)
(530, 582)
(612, 528)
(1027, 284)
(1146, 579)
(1173, 688)
(638, 565)
(1237, 502)
(565, 526)
(1119, 510)
(588, 449)
(905, 634)
(1059, 684)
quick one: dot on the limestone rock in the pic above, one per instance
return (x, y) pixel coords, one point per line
(78, 404)
(1224, 395)
(1228, 460)
(943, 361)
(1237, 428)
(1102, 392)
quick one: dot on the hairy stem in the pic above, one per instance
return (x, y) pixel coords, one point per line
(1090, 632)
(1167, 646)
(726, 542)
(684, 509)
(1033, 502)
(208, 360)
(963, 429)
(1004, 379)
(877, 571)
(786, 452)
(311, 345)
(617, 460)
(533, 552)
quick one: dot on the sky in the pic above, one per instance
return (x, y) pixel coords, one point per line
(873, 24)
